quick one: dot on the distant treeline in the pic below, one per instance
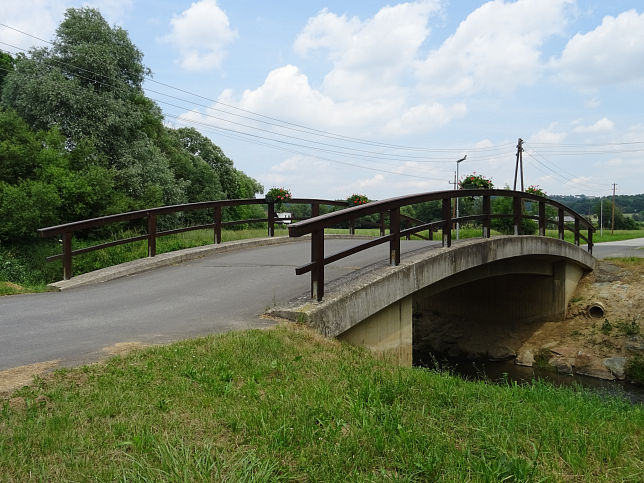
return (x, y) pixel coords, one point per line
(585, 204)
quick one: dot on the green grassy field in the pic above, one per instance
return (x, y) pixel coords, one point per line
(285, 404)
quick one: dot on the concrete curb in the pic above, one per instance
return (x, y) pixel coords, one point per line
(172, 258)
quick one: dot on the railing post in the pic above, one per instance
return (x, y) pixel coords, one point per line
(271, 219)
(517, 208)
(447, 222)
(317, 272)
(590, 240)
(217, 231)
(430, 236)
(487, 216)
(394, 231)
(542, 218)
(560, 224)
(67, 255)
(382, 223)
(352, 226)
(576, 231)
(315, 210)
(152, 235)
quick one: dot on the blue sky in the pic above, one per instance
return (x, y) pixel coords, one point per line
(333, 98)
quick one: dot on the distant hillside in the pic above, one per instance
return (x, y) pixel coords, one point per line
(584, 204)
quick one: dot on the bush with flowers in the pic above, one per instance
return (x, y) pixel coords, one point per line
(535, 190)
(278, 196)
(475, 181)
(357, 199)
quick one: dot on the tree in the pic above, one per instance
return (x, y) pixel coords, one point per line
(6, 66)
(77, 130)
(621, 222)
(504, 205)
(88, 84)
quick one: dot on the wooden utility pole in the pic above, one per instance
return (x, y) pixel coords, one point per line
(612, 224)
(519, 162)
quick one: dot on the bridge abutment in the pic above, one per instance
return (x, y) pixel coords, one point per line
(387, 333)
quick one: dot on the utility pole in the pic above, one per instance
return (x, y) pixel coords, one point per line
(612, 225)
(519, 162)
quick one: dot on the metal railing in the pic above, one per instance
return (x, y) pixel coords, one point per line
(315, 226)
(67, 230)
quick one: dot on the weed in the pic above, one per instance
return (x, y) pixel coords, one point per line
(606, 327)
(541, 359)
(630, 329)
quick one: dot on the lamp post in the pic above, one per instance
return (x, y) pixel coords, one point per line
(457, 179)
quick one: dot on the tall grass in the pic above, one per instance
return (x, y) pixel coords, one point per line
(285, 404)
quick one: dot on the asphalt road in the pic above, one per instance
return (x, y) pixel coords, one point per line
(624, 248)
(207, 295)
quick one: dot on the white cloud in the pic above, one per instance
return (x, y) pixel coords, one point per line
(610, 54)
(286, 92)
(112, 10)
(424, 117)
(368, 56)
(603, 125)
(201, 33)
(359, 185)
(20, 14)
(548, 135)
(496, 48)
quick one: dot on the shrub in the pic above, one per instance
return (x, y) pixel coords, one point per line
(475, 181)
(357, 199)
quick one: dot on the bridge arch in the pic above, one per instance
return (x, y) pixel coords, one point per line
(376, 309)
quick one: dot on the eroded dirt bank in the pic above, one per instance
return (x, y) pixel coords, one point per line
(599, 346)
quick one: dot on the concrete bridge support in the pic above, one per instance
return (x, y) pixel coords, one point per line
(524, 278)
(387, 332)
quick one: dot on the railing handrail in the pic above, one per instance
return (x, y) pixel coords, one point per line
(67, 230)
(313, 224)
(164, 210)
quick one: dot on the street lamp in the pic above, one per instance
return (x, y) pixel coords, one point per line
(457, 179)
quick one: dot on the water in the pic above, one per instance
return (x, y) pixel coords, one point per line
(504, 371)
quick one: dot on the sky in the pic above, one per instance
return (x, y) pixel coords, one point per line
(331, 98)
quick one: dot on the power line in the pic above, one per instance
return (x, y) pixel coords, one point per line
(283, 123)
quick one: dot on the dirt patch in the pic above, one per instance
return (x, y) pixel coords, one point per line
(10, 288)
(123, 348)
(12, 379)
(587, 336)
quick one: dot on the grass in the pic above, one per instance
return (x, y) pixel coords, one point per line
(285, 404)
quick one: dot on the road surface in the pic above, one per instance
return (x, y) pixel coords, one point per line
(207, 295)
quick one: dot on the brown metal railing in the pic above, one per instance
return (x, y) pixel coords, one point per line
(67, 230)
(315, 226)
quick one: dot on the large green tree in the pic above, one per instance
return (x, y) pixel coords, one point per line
(88, 84)
(75, 120)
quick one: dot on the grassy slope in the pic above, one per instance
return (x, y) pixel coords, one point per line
(286, 404)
